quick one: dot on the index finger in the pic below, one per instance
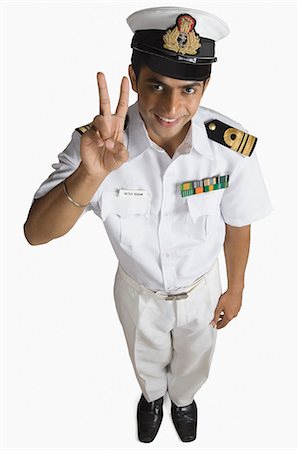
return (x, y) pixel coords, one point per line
(104, 99)
(122, 106)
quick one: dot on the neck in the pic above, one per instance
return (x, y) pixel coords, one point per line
(170, 145)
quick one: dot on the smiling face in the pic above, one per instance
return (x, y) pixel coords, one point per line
(166, 105)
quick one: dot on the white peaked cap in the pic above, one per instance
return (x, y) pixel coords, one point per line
(163, 17)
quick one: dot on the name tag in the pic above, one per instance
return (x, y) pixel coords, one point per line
(135, 193)
(125, 203)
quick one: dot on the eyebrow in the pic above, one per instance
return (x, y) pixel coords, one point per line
(157, 81)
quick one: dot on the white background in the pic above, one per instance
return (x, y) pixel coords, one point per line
(67, 381)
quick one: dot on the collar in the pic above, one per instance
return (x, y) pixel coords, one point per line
(139, 141)
(200, 140)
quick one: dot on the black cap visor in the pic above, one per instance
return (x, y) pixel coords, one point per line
(180, 71)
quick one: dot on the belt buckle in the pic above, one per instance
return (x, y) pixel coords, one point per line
(180, 296)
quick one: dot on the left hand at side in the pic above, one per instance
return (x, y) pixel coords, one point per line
(227, 308)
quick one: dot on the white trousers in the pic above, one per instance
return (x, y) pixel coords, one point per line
(170, 342)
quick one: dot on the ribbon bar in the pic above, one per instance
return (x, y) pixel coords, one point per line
(205, 185)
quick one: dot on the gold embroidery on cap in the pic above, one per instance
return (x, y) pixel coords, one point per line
(182, 38)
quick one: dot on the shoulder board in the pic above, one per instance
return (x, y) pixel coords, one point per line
(231, 137)
(84, 128)
(87, 127)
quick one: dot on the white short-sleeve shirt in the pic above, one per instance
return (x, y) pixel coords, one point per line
(161, 239)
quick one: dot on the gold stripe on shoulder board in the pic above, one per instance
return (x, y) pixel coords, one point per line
(231, 137)
(239, 141)
(84, 128)
(87, 127)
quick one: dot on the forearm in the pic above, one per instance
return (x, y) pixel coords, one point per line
(236, 249)
(54, 215)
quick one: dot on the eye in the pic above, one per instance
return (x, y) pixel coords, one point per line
(190, 90)
(157, 87)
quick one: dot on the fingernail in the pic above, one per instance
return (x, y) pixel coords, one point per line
(110, 143)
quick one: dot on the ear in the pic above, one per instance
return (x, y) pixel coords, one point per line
(133, 78)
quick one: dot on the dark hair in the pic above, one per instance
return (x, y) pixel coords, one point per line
(138, 60)
(137, 63)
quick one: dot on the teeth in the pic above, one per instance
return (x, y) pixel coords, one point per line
(167, 120)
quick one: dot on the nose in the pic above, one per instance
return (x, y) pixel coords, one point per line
(171, 104)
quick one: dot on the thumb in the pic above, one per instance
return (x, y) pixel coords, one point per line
(110, 144)
(120, 152)
(114, 146)
(217, 312)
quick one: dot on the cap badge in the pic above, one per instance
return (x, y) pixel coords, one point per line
(182, 38)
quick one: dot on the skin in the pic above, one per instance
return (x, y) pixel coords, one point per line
(102, 150)
(172, 98)
(236, 250)
(169, 98)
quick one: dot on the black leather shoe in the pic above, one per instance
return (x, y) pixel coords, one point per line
(185, 421)
(149, 416)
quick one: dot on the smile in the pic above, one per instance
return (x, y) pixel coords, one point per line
(167, 122)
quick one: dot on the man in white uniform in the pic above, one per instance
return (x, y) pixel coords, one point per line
(173, 182)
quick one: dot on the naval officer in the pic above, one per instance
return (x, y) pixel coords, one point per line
(173, 183)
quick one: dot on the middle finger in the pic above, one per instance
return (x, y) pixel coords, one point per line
(122, 106)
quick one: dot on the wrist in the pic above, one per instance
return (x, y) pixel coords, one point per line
(236, 288)
(81, 186)
(92, 178)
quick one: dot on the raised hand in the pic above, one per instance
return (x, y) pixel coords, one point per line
(102, 148)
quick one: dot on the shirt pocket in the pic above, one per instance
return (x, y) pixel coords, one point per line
(131, 213)
(202, 215)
